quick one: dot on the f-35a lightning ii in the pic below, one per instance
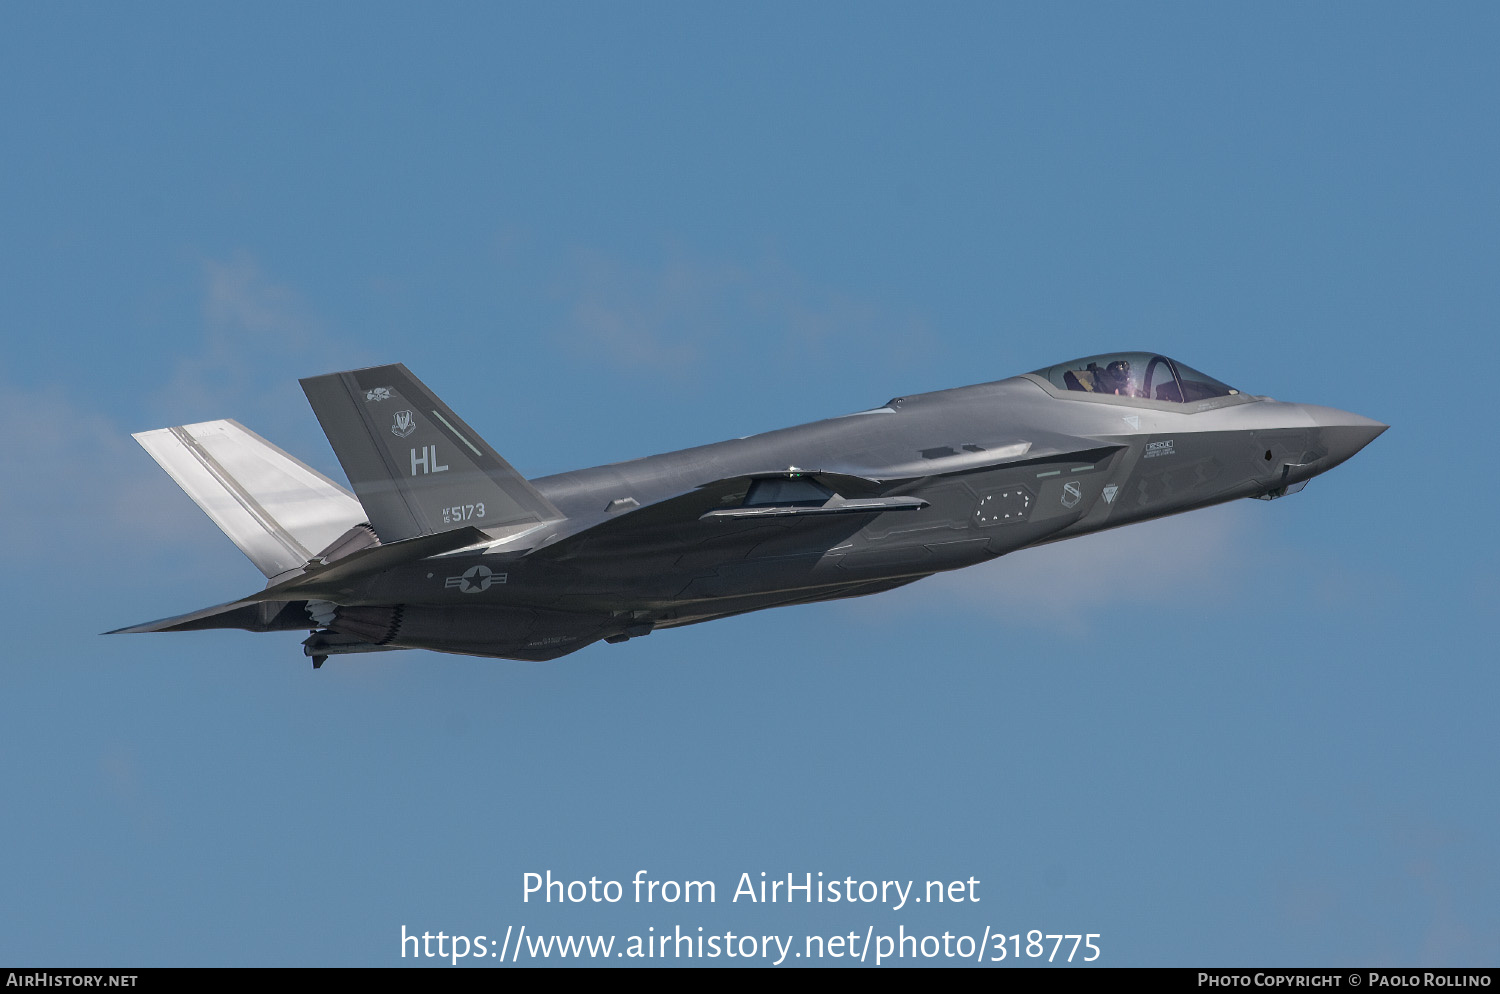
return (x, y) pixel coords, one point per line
(443, 545)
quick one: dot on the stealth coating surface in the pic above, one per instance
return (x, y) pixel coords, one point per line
(416, 466)
(474, 559)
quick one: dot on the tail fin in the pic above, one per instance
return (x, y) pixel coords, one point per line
(279, 512)
(417, 467)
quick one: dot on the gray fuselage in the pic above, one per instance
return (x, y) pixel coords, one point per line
(1000, 466)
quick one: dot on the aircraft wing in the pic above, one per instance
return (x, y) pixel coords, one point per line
(806, 496)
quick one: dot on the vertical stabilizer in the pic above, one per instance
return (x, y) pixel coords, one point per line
(417, 467)
(279, 511)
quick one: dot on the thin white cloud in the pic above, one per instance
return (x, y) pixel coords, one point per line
(675, 317)
(1193, 558)
(72, 474)
(654, 319)
(259, 336)
(1211, 559)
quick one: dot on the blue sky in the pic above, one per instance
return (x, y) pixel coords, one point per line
(1260, 733)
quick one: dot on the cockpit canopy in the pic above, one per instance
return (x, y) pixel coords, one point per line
(1137, 374)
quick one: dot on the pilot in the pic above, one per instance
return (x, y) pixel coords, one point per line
(1115, 379)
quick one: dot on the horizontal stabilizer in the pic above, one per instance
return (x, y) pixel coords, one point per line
(279, 511)
(249, 615)
(280, 606)
(326, 581)
(417, 467)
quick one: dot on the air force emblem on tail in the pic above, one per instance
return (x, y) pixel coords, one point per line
(404, 424)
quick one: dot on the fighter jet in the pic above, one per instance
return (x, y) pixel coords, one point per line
(443, 545)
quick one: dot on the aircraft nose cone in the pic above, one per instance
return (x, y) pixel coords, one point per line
(1343, 433)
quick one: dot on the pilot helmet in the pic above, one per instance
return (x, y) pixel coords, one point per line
(1117, 374)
